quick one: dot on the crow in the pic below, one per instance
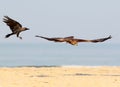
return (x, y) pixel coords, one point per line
(15, 27)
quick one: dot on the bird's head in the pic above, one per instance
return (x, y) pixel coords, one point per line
(72, 42)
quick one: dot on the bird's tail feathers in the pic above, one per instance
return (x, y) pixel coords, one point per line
(8, 35)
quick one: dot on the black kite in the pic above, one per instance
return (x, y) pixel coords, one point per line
(73, 41)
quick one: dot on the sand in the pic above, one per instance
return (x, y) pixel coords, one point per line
(69, 76)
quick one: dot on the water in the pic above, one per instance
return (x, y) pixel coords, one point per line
(48, 54)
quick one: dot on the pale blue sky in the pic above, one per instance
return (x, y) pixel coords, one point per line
(88, 19)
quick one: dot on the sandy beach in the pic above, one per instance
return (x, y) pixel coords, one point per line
(67, 76)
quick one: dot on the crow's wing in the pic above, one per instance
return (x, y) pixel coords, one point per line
(14, 25)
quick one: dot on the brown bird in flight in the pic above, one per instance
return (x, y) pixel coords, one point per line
(15, 27)
(73, 41)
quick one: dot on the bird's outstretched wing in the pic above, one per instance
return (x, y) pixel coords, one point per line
(52, 39)
(14, 25)
(95, 40)
(101, 39)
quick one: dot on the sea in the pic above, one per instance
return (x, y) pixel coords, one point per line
(59, 54)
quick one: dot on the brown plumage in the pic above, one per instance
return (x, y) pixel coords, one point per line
(73, 41)
(15, 26)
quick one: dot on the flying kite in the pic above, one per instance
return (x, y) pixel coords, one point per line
(74, 41)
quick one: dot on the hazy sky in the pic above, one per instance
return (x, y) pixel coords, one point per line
(88, 19)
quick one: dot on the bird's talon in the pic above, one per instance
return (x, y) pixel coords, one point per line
(20, 38)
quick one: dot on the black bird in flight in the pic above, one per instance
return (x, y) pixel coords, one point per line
(15, 27)
(73, 41)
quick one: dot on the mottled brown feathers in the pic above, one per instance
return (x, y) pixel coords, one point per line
(15, 26)
(73, 41)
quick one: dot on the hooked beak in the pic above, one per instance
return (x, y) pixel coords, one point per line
(27, 29)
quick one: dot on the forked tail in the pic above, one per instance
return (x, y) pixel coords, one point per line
(8, 35)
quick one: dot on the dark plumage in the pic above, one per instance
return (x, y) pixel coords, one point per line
(15, 26)
(73, 41)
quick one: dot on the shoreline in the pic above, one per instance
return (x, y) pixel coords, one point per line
(38, 66)
(60, 76)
